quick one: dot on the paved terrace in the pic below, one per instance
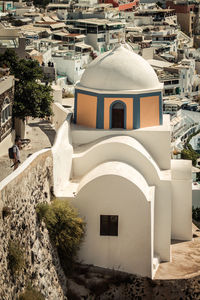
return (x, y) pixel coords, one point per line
(41, 134)
(185, 259)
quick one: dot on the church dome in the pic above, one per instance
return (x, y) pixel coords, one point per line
(120, 69)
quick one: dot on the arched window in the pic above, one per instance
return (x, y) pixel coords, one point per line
(118, 115)
(6, 111)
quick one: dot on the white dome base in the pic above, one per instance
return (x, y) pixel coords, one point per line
(120, 69)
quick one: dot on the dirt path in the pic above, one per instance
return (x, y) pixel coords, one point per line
(185, 259)
(42, 135)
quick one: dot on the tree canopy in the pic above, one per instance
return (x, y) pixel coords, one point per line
(31, 97)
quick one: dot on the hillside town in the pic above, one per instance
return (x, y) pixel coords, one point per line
(102, 100)
(64, 37)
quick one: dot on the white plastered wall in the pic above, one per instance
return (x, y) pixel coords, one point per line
(156, 140)
(59, 115)
(128, 150)
(123, 148)
(132, 250)
(162, 220)
(181, 199)
(118, 148)
(196, 196)
(62, 151)
(57, 93)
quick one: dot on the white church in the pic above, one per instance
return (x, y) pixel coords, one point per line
(112, 161)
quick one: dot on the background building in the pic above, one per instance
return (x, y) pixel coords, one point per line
(6, 102)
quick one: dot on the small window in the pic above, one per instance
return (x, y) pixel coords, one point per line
(109, 225)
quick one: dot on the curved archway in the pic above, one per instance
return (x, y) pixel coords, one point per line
(124, 194)
(117, 148)
(118, 115)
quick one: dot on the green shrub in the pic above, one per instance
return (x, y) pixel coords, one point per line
(15, 257)
(66, 228)
(31, 293)
(190, 154)
(6, 211)
(41, 210)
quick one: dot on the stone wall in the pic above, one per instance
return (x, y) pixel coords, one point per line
(147, 289)
(6, 128)
(21, 194)
(94, 283)
(7, 94)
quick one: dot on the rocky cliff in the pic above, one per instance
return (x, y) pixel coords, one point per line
(18, 224)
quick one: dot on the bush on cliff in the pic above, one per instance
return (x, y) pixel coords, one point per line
(66, 228)
(15, 257)
(31, 293)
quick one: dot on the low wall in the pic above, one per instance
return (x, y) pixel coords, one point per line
(59, 115)
(196, 197)
(21, 191)
(62, 157)
(98, 283)
(7, 143)
(146, 289)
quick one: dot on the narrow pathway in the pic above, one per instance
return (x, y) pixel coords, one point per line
(41, 134)
(185, 259)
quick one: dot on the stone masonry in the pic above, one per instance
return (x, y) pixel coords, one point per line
(6, 128)
(42, 267)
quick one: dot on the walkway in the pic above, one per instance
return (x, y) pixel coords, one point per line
(41, 134)
(185, 259)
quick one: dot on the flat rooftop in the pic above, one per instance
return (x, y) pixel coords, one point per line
(95, 21)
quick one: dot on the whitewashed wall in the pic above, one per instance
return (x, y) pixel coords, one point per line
(196, 197)
(182, 199)
(59, 115)
(62, 157)
(132, 250)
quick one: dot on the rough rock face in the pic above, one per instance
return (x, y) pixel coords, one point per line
(42, 267)
(93, 283)
(147, 289)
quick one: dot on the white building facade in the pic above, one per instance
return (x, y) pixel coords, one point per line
(101, 34)
(70, 64)
(114, 165)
